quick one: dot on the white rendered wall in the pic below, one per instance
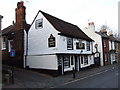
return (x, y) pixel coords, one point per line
(97, 40)
(38, 38)
(62, 46)
(43, 62)
(38, 50)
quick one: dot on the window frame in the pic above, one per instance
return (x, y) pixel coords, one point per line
(85, 60)
(10, 45)
(87, 46)
(69, 43)
(37, 22)
(3, 46)
(66, 62)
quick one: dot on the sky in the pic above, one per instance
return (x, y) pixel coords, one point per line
(78, 12)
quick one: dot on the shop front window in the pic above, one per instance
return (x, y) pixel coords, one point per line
(59, 60)
(66, 61)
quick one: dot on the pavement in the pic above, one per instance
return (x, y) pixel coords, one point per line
(31, 79)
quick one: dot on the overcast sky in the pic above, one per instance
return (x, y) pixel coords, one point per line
(78, 12)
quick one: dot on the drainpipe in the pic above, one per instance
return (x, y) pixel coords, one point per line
(26, 49)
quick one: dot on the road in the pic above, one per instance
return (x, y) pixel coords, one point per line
(105, 79)
(102, 77)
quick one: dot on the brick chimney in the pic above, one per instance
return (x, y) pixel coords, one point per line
(91, 26)
(20, 13)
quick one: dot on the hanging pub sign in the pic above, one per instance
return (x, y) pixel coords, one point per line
(51, 41)
(80, 45)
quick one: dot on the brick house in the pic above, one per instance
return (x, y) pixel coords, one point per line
(105, 46)
(112, 50)
(13, 37)
(117, 50)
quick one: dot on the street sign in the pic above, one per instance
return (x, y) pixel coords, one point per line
(12, 53)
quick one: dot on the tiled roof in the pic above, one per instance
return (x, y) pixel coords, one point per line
(11, 28)
(112, 38)
(104, 35)
(7, 30)
(66, 28)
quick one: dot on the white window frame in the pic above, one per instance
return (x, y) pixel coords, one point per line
(86, 60)
(66, 62)
(3, 43)
(39, 22)
(69, 43)
(9, 45)
(87, 46)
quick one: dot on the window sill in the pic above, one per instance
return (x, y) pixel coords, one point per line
(3, 49)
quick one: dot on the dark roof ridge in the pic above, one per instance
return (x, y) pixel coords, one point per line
(57, 18)
(65, 28)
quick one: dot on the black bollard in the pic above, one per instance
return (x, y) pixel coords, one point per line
(73, 72)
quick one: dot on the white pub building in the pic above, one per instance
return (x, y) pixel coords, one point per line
(55, 45)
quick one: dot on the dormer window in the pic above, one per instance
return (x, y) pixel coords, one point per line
(39, 23)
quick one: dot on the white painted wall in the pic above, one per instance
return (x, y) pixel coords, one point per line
(62, 46)
(43, 62)
(38, 38)
(90, 31)
(38, 45)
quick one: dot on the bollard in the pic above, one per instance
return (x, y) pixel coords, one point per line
(73, 72)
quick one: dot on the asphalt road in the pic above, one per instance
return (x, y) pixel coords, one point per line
(105, 79)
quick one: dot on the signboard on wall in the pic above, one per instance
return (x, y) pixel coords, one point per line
(80, 45)
(12, 53)
(51, 41)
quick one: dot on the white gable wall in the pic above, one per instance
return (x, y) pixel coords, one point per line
(38, 38)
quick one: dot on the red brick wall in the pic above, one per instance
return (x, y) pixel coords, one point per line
(17, 37)
(105, 51)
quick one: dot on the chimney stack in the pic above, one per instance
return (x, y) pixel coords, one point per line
(91, 26)
(20, 12)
